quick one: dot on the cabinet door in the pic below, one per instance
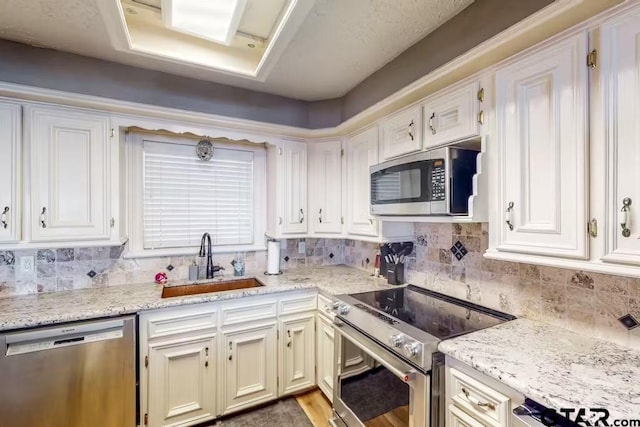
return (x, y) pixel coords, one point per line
(69, 152)
(542, 133)
(622, 81)
(10, 160)
(362, 152)
(324, 358)
(401, 133)
(250, 367)
(182, 378)
(452, 116)
(325, 187)
(458, 418)
(298, 353)
(294, 182)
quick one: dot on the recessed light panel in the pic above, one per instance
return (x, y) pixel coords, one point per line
(215, 20)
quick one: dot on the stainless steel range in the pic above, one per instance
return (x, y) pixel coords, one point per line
(398, 331)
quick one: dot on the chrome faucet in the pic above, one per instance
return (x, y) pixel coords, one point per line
(211, 269)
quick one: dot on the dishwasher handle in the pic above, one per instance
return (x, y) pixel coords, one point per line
(64, 336)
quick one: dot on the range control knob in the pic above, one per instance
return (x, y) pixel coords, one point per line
(343, 309)
(397, 340)
(411, 349)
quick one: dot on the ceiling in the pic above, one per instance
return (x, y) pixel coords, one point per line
(337, 45)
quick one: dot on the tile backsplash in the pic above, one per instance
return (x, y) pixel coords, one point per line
(588, 303)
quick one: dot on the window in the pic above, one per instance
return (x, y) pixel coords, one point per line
(183, 197)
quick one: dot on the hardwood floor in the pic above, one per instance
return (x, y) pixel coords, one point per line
(396, 418)
(316, 406)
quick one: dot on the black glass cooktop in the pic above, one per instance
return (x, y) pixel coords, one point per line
(437, 314)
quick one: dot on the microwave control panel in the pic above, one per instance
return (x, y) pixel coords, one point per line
(438, 179)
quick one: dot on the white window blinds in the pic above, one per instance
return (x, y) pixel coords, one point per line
(185, 197)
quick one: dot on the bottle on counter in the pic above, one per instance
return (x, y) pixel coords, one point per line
(193, 271)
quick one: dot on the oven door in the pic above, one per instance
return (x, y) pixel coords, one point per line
(402, 186)
(388, 391)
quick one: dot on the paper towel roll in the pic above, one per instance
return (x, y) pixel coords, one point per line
(273, 257)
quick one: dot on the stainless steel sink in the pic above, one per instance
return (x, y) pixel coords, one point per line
(205, 288)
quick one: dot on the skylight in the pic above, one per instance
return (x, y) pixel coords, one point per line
(214, 20)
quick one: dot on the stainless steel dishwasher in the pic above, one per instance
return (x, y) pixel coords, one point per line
(71, 375)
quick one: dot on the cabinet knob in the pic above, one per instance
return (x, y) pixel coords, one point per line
(43, 218)
(4, 218)
(508, 216)
(625, 217)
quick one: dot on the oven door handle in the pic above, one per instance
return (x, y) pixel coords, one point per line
(404, 372)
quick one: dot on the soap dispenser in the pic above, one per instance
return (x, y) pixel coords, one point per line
(193, 271)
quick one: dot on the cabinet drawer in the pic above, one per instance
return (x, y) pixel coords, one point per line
(248, 311)
(458, 418)
(298, 303)
(482, 402)
(180, 321)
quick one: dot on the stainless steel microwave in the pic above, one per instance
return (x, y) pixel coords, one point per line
(436, 182)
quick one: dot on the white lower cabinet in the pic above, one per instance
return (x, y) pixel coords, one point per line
(182, 381)
(206, 360)
(249, 366)
(297, 352)
(324, 360)
(475, 400)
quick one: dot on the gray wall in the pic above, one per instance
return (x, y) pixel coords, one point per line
(51, 69)
(480, 21)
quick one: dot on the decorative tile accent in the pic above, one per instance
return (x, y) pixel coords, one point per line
(331, 255)
(7, 258)
(170, 267)
(91, 274)
(286, 258)
(458, 250)
(629, 321)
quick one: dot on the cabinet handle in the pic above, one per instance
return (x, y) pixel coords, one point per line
(370, 221)
(481, 117)
(477, 402)
(433, 129)
(230, 350)
(206, 355)
(320, 216)
(280, 220)
(5, 211)
(288, 338)
(301, 215)
(508, 216)
(625, 218)
(411, 129)
(43, 224)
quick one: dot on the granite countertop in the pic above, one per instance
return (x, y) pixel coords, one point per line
(57, 307)
(555, 367)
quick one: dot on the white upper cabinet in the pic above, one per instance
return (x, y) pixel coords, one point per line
(325, 187)
(362, 152)
(290, 179)
(69, 160)
(452, 115)
(10, 143)
(401, 133)
(542, 108)
(621, 45)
